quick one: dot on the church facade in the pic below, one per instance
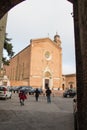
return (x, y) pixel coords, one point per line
(37, 65)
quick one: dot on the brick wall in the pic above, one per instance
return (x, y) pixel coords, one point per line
(31, 65)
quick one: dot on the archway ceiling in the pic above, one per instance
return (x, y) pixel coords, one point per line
(6, 5)
(71, 1)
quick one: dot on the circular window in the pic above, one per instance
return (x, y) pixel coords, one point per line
(47, 55)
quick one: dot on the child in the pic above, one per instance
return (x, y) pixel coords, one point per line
(22, 97)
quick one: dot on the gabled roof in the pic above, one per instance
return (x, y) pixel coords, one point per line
(44, 40)
(37, 41)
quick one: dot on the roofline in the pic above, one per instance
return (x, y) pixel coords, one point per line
(20, 51)
(42, 40)
(38, 39)
(34, 40)
(74, 74)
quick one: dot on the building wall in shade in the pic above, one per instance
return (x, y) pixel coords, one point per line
(69, 81)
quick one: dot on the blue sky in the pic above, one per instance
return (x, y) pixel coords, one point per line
(33, 19)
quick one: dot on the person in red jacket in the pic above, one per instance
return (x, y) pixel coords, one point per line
(22, 97)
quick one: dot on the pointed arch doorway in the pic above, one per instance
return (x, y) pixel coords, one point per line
(46, 83)
(47, 80)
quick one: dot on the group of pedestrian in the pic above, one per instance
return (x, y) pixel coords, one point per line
(23, 97)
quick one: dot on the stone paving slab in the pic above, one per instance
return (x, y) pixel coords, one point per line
(36, 115)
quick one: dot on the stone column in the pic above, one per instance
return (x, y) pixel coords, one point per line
(80, 25)
(3, 22)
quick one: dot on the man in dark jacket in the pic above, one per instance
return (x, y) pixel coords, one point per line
(48, 94)
(37, 92)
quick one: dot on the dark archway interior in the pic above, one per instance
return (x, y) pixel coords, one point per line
(6, 5)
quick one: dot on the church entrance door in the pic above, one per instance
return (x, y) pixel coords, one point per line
(46, 83)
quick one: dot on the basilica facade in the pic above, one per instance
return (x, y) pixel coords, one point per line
(37, 65)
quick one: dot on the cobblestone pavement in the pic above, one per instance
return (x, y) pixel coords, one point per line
(36, 115)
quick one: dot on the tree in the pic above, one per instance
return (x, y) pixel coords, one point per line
(9, 49)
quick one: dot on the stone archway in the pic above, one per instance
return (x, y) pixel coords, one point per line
(80, 25)
(80, 28)
(6, 5)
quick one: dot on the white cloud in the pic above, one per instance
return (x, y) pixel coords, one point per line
(69, 69)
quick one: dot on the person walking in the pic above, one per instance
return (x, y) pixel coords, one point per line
(37, 92)
(22, 97)
(48, 94)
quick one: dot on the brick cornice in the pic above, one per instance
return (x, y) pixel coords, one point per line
(45, 40)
